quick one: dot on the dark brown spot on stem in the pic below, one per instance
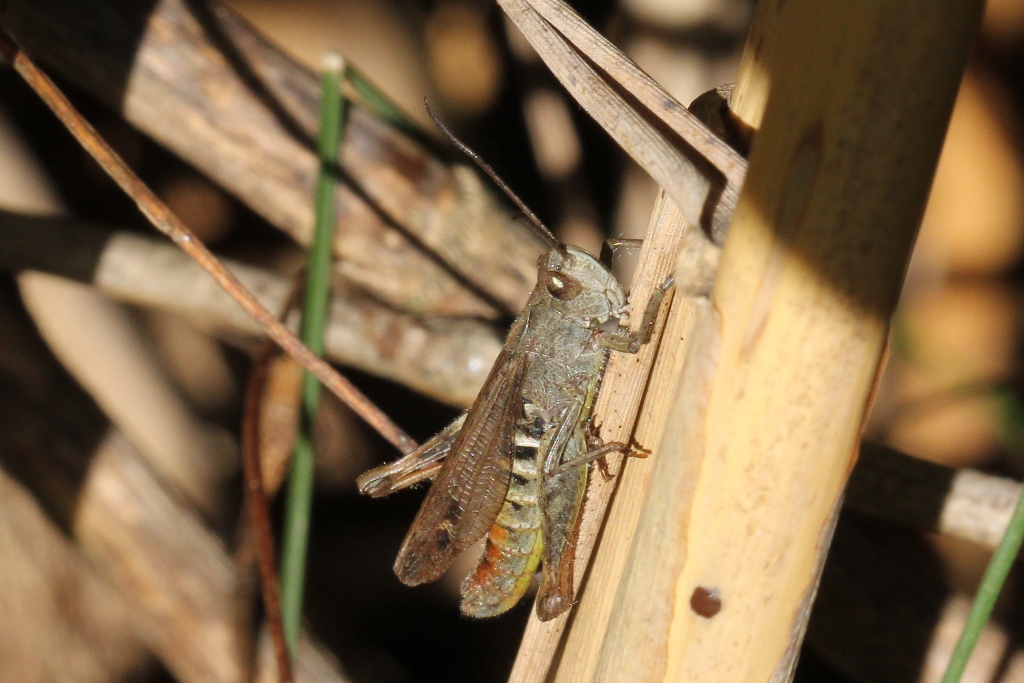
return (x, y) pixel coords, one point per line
(706, 601)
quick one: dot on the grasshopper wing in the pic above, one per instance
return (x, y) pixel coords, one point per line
(423, 463)
(465, 498)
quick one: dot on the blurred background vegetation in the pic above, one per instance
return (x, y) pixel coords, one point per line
(952, 393)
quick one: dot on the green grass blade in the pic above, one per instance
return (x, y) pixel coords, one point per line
(386, 108)
(382, 105)
(995, 576)
(314, 324)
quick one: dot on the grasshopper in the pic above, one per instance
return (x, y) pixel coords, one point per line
(514, 467)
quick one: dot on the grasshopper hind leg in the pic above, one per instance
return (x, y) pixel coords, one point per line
(597, 448)
(422, 464)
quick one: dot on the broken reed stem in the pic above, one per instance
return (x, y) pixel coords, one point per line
(658, 102)
(161, 217)
(259, 510)
(705, 196)
(314, 325)
(991, 585)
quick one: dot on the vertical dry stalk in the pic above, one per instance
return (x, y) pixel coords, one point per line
(855, 97)
(257, 508)
(590, 620)
(615, 413)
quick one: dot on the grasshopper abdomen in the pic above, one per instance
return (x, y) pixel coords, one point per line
(514, 543)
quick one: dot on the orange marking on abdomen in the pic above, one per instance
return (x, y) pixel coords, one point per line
(498, 535)
(486, 570)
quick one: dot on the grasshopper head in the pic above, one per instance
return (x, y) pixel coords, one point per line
(579, 287)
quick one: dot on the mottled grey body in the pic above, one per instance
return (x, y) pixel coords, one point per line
(515, 466)
(539, 516)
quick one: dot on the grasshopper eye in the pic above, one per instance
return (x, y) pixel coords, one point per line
(561, 286)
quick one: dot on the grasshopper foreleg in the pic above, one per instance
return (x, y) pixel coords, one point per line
(630, 341)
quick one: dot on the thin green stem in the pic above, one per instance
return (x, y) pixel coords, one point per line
(995, 576)
(386, 108)
(375, 99)
(314, 324)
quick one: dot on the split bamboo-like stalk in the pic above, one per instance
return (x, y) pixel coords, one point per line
(205, 84)
(700, 173)
(851, 102)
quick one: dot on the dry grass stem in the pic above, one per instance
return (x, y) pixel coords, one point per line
(582, 644)
(628, 77)
(256, 507)
(164, 220)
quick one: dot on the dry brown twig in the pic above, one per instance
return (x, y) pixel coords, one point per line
(166, 222)
(258, 509)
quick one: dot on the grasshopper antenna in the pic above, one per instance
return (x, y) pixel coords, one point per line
(535, 223)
